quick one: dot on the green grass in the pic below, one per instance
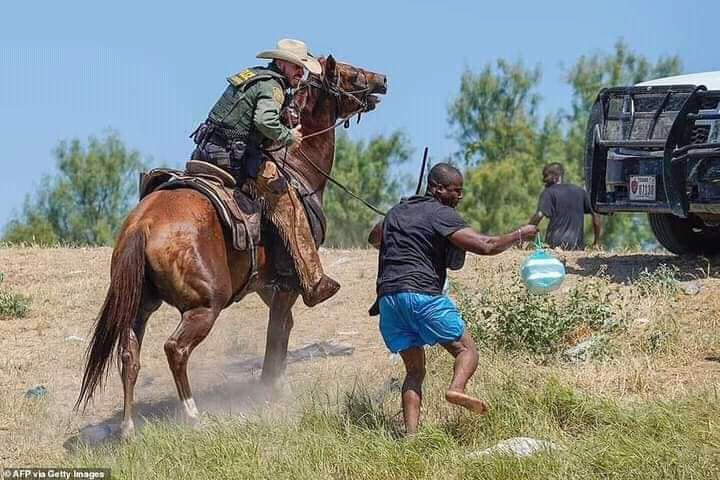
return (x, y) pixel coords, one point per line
(662, 282)
(12, 305)
(355, 437)
(617, 417)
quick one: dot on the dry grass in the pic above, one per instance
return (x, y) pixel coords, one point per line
(686, 327)
(661, 354)
(67, 287)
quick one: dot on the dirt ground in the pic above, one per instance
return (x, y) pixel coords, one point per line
(67, 287)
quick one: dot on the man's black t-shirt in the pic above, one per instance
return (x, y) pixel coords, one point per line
(565, 204)
(415, 247)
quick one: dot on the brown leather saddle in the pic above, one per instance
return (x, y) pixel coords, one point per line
(239, 214)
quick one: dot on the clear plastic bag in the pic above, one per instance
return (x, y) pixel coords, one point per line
(541, 272)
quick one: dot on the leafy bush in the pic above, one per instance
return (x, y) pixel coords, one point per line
(513, 319)
(662, 282)
(11, 304)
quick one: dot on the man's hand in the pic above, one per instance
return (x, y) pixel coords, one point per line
(528, 232)
(297, 137)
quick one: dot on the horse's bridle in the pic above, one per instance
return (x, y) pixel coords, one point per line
(358, 96)
(334, 89)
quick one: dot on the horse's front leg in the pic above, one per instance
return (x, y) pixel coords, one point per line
(278, 335)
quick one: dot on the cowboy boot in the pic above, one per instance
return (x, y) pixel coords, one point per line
(285, 210)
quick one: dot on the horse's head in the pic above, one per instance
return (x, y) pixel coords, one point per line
(356, 89)
(350, 89)
(320, 104)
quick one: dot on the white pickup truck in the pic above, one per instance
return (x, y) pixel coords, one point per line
(655, 147)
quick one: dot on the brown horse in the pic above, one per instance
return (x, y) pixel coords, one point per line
(172, 248)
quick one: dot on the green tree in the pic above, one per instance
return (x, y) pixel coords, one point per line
(589, 75)
(503, 144)
(368, 169)
(87, 201)
(494, 114)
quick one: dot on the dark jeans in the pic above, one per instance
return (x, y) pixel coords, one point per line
(241, 163)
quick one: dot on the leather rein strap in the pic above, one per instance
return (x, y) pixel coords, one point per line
(362, 103)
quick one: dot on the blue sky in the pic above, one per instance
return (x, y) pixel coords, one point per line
(151, 70)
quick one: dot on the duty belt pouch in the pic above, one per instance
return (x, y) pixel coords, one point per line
(252, 159)
(237, 152)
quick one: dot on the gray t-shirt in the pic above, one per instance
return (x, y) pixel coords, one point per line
(565, 205)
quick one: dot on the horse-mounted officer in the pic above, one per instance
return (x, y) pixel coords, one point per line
(244, 122)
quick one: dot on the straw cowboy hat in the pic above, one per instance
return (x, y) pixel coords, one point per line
(293, 51)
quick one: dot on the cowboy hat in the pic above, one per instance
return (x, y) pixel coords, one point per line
(293, 51)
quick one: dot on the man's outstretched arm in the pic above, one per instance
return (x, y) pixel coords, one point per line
(477, 243)
(544, 208)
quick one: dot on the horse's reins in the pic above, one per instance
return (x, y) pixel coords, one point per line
(337, 91)
(340, 185)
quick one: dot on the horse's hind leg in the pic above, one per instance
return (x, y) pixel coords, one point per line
(130, 342)
(193, 328)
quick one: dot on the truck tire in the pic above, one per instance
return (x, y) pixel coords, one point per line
(685, 235)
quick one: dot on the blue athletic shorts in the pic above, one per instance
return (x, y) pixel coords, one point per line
(410, 320)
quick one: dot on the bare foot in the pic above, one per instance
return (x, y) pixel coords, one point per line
(473, 404)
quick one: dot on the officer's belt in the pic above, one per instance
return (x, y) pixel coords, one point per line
(218, 139)
(219, 136)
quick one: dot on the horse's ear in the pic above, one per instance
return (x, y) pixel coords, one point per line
(329, 67)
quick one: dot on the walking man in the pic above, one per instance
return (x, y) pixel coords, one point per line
(418, 240)
(564, 205)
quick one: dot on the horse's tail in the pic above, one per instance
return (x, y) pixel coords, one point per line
(122, 302)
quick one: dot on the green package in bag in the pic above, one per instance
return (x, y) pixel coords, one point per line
(541, 272)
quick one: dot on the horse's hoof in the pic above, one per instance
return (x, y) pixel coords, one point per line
(273, 389)
(97, 434)
(127, 431)
(282, 388)
(197, 423)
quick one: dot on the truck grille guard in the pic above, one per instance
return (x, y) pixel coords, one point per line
(650, 119)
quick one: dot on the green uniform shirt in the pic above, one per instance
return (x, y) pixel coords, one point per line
(249, 109)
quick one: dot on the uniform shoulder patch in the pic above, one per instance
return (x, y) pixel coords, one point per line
(241, 77)
(278, 96)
